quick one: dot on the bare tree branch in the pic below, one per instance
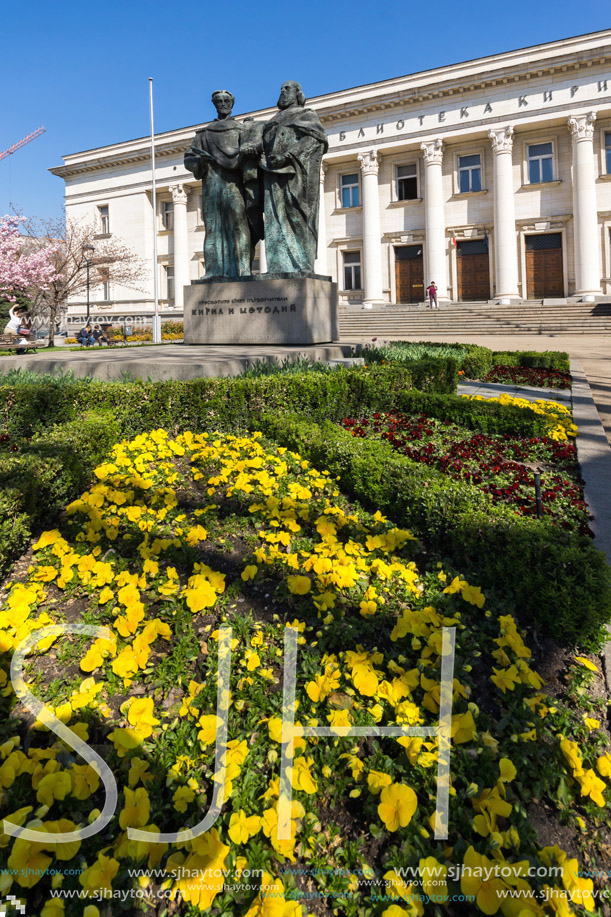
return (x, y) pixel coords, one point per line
(113, 260)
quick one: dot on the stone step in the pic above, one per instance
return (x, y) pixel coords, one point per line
(532, 317)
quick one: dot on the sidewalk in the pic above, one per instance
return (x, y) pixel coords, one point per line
(494, 389)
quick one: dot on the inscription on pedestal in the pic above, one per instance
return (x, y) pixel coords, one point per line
(261, 310)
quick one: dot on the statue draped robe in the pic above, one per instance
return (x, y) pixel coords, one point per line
(230, 197)
(292, 191)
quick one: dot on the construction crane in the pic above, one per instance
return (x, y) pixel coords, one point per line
(20, 143)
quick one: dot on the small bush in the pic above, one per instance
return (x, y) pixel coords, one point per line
(484, 416)
(43, 475)
(227, 403)
(533, 359)
(473, 360)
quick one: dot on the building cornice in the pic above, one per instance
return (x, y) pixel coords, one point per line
(569, 56)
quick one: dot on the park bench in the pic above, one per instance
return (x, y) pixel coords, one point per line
(18, 344)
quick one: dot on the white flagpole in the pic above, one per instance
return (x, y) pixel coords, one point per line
(156, 317)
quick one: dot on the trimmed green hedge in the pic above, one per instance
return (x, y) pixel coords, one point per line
(484, 416)
(475, 361)
(227, 403)
(552, 578)
(46, 473)
(533, 359)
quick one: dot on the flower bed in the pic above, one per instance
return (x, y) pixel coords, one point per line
(558, 418)
(179, 538)
(524, 375)
(502, 466)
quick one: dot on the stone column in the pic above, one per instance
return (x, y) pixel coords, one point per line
(505, 246)
(320, 265)
(181, 245)
(434, 219)
(585, 213)
(372, 235)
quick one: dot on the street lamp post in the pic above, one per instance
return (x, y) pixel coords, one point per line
(88, 249)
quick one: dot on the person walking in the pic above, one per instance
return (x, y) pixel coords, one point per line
(432, 291)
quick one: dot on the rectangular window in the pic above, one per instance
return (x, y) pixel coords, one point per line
(103, 220)
(608, 153)
(540, 163)
(470, 173)
(167, 214)
(352, 271)
(407, 182)
(350, 190)
(169, 281)
(105, 281)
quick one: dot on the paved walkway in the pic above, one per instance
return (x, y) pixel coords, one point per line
(494, 389)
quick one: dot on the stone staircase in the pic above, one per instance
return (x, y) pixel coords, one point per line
(527, 317)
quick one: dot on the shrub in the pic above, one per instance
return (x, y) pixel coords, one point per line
(44, 474)
(14, 527)
(172, 331)
(533, 359)
(554, 579)
(228, 403)
(484, 415)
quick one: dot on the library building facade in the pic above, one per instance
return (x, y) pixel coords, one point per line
(491, 178)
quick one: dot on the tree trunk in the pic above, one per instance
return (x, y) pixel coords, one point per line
(52, 314)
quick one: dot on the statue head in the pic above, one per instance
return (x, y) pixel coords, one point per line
(291, 93)
(223, 101)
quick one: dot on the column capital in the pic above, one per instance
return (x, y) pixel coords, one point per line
(369, 163)
(433, 152)
(179, 195)
(582, 126)
(502, 139)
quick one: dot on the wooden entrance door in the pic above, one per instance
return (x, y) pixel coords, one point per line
(473, 270)
(544, 276)
(409, 273)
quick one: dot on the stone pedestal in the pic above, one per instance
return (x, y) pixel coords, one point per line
(261, 310)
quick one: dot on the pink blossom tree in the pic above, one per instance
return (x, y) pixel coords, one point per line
(69, 241)
(24, 266)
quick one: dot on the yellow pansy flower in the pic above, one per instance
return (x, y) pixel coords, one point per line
(397, 806)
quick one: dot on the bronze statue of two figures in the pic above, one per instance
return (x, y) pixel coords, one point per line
(260, 180)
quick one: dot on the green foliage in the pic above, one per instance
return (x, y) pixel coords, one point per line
(552, 578)
(533, 359)
(259, 368)
(14, 527)
(481, 416)
(228, 403)
(477, 361)
(410, 351)
(46, 473)
(32, 377)
(473, 360)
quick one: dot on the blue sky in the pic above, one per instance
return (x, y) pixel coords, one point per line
(82, 69)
